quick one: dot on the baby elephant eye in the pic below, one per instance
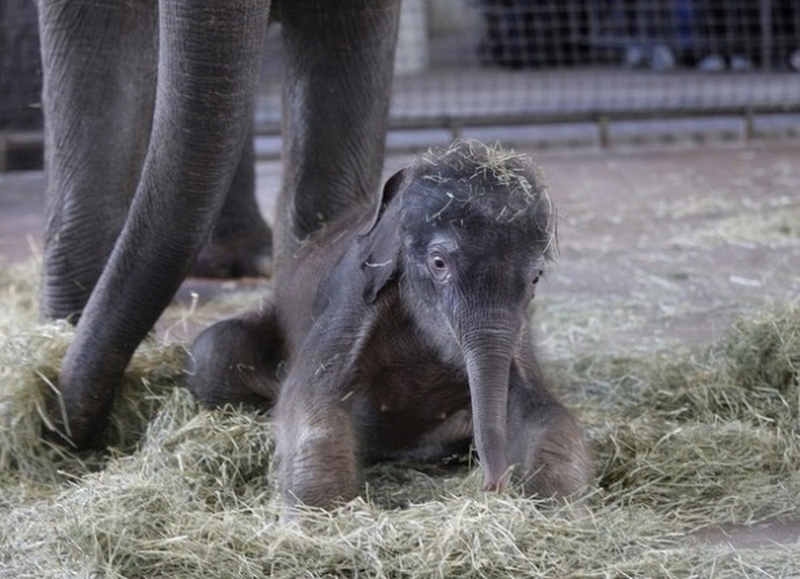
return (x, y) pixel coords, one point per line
(536, 277)
(437, 266)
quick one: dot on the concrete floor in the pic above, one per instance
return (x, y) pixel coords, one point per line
(659, 232)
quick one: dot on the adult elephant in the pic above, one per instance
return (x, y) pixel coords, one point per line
(148, 107)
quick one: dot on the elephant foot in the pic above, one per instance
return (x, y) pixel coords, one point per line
(77, 414)
(239, 256)
(73, 431)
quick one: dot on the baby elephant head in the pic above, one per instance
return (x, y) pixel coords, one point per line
(466, 233)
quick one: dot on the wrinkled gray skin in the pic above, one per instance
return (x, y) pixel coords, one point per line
(402, 332)
(148, 107)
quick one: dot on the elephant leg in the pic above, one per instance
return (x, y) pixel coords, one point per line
(317, 443)
(237, 361)
(337, 86)
(316, 451)
(99, 91)
(241, 243)
(546, 444)
(209, 53)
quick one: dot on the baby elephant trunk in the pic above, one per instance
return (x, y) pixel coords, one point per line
(487, 352)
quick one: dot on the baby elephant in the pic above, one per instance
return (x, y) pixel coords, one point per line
(402, 332)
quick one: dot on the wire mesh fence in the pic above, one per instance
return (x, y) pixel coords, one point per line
(479, 62)
(483, 61)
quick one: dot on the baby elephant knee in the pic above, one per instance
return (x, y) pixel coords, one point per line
(318, 463)
(555, 460)
(235, 362)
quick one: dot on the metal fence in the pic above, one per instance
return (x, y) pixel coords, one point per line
(487, 61)
(510, 62)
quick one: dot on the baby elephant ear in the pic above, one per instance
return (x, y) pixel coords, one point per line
(379, 241)
(390, 190)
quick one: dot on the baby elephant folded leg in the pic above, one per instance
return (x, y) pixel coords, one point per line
(237, 361)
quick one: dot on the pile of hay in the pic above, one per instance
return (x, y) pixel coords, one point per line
(682, 440)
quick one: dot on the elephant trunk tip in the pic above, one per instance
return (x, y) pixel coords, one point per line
(493, 454)
(494, 481)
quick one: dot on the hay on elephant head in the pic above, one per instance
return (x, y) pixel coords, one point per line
(681, 439)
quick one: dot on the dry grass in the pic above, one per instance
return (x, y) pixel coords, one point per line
(682, 439)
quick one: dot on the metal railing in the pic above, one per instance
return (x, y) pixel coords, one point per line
(473, 63)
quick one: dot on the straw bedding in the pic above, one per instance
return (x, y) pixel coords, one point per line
(682, 439)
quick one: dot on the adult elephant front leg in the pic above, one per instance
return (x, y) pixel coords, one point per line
(241, 243)
(207, 74)
(99, 92)
(337, 86)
